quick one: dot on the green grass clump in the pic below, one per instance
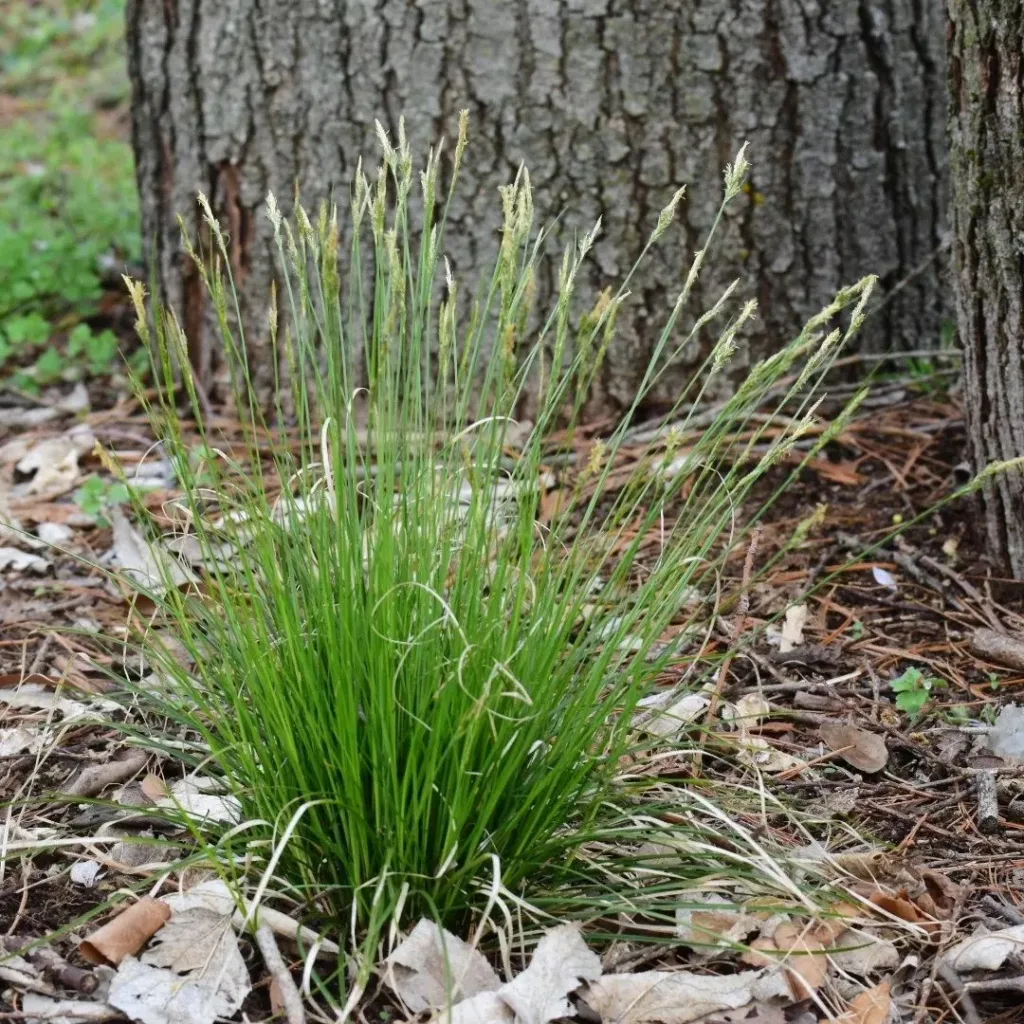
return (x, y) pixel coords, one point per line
(67, 187)
(418, 686)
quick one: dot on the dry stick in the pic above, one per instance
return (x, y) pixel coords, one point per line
(55, 968)
(95, 779)
(1000, 647)
(988, 801)
(996, 985)
(26, 874)
(955, 982)
(290, 998)
(1003, 910)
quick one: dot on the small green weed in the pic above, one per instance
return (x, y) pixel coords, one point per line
(97, 495)
(913, 690)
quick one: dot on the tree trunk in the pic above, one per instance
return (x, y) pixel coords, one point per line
(611, 103)
(986, 42)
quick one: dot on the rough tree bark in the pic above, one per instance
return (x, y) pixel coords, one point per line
(611, 103)
(986, 64)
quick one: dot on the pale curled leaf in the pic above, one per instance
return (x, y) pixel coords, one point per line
(483, 1008)
(884, 578)
(156, 995)
(560, 962)
(655, 720)
(859, 952)
(20, 740)
(872, 1006)
(43, 698)
(669, 997)
(432, 969)
(755, 751)
(16, 560)
(721, 923)
(214, 895)
(141, 562)
(191, 940)
(865, 750)
(85, 872)
(192, 973)
(193, 795)
(987, 952)
(53, 463)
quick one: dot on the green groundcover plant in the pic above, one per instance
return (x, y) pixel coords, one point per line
(420, 682)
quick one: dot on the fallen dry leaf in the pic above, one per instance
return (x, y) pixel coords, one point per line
(670, 997)
(872, 1006)
(560, 962)
(716, 927)
(214, 895)
(987, 952)
(127, 933)
(863, 954)
(141, 562)
(667, 997)
(95, 778)
(155, 995)
(866, 751)
(432, 968)
(197, 796)
(940, 896)
(755, 751)
(795, 948)
(20, 740)
(654, 720)
(41, 696)
(85, 872)
(153, 788)
(484, 1008)
(843, 473)
(193, 973)
(53, 463)
(902, 907)
(16, 560)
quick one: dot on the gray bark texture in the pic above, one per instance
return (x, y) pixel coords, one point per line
(986, 54)
(612, 104)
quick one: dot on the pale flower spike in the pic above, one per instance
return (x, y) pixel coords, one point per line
(668, 214)
(735, 173)
(385, 142)
(274, 213)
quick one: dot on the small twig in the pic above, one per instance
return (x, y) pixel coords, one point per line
(955, 982)
(743, 608)
(26, 874)
(290, 998)
(95, 779)
(996, 985)
(988, 801)
(57, 969)
(1003, 910)
(1000, 647)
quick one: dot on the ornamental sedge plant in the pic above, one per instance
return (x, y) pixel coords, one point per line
(417, 680)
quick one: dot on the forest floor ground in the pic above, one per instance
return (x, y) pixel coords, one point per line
(887, 647)
(945, 863)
